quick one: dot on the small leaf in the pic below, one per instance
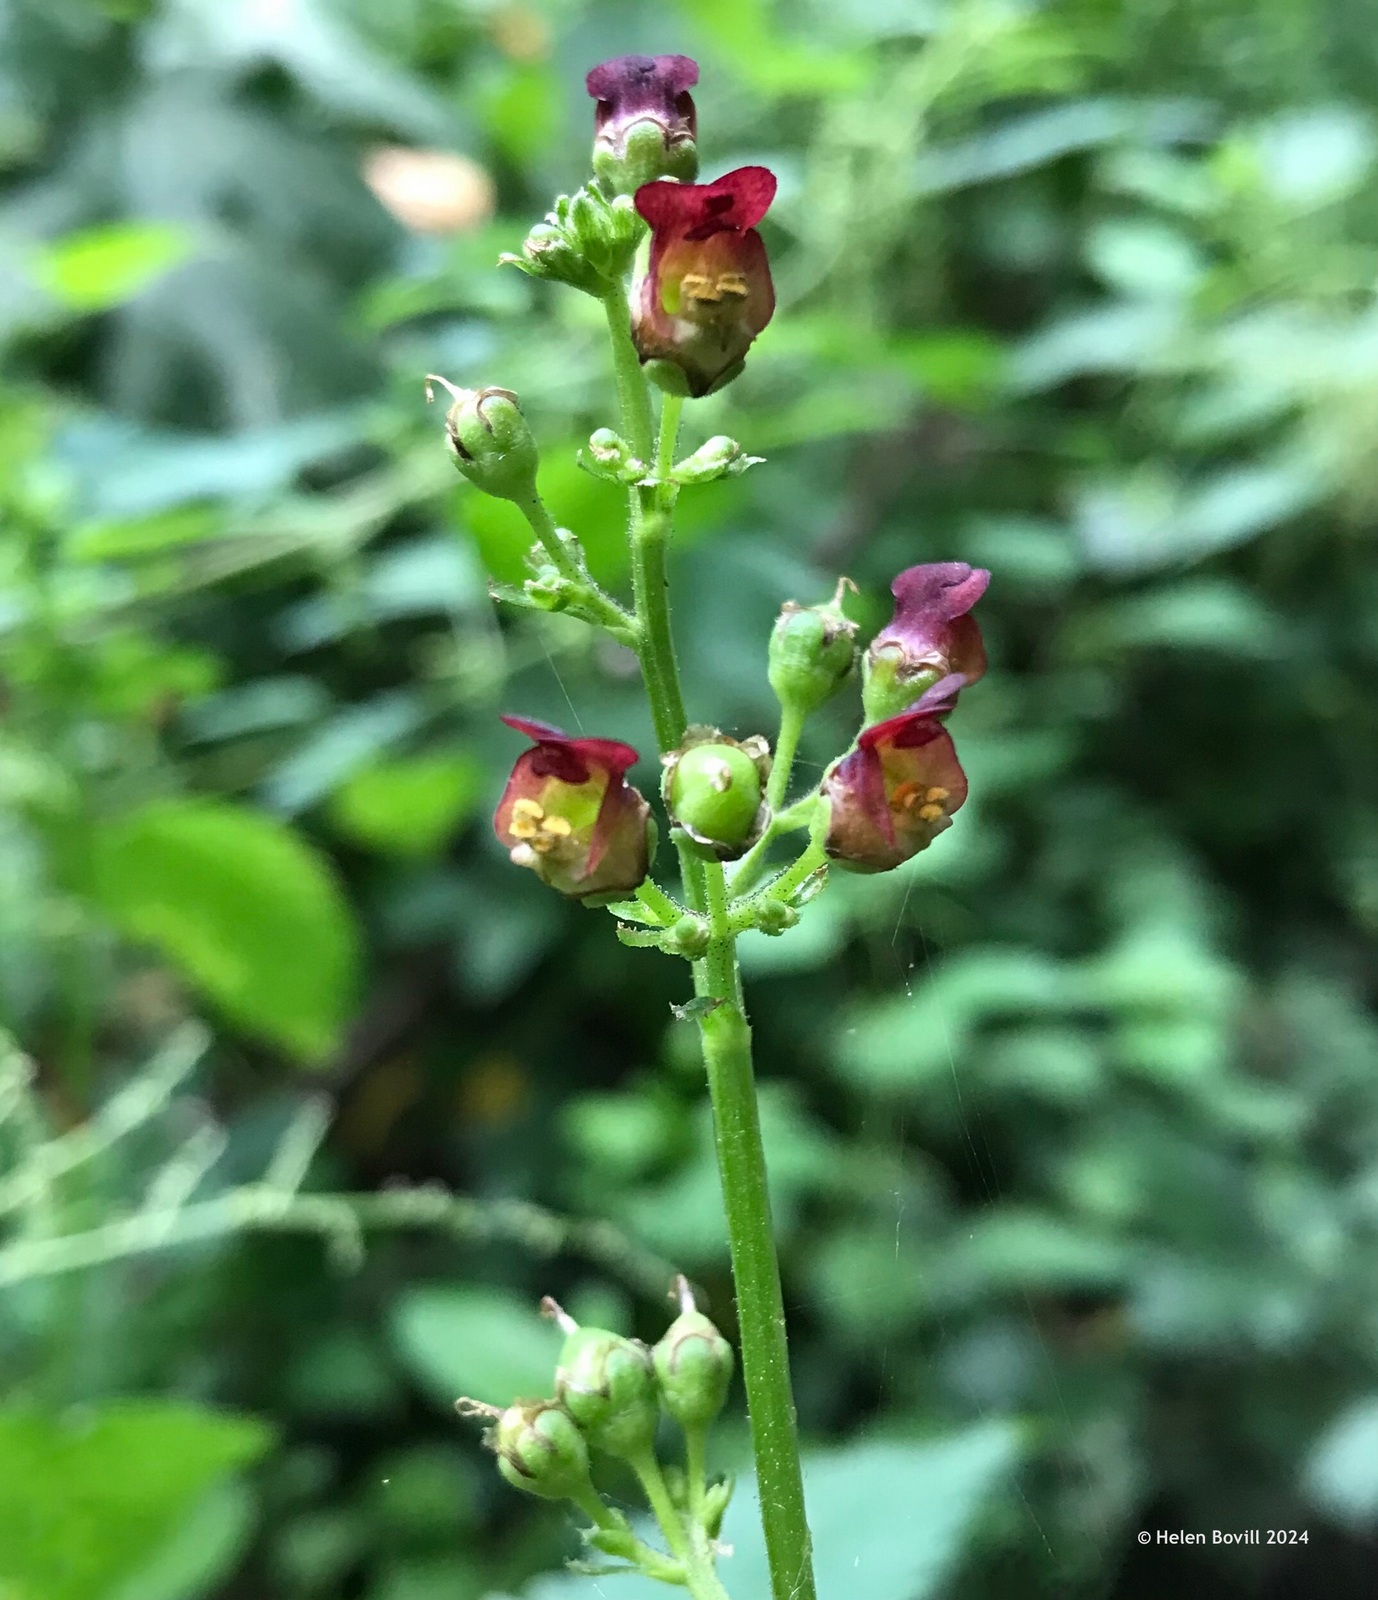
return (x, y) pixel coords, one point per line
(89, 1500)
(488, 1344)
(245, 909)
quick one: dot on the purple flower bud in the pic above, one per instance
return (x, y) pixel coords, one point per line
(896, 791)
(570, 815)
(645, 125)
(707, 292)
(930, 635)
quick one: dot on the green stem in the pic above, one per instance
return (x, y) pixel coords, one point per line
(726, 1037)
(695, 1468)
(656, 901)
(543, 526)
(751, 868)
(794, 876)
(599, 604)
(649, 1560)
(652, 1480)
(638, 421)
(786, 743)
(670, 408)
(724, 1031)
(703, 1584)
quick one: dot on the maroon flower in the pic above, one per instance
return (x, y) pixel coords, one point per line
(644, 125)
(570, 815)
(707, 291)
(896, 791)
(930, 635)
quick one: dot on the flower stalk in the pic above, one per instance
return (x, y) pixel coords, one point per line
(701, 294)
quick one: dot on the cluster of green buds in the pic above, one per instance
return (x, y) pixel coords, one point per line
(609, 1396)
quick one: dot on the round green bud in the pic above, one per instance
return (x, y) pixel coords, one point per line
(775, 917)
(607, 1384)
(693, 1363)
(541, 1450)
(688, 937)
(714, 794)
(490, 441)
(812, 649)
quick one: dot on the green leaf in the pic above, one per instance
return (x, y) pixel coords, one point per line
(410, 806)
(243, 907)
(890, 1520)
(488, 1344)
(907, 1042)
(204, 1549)
(103, 267)
(88, 1500)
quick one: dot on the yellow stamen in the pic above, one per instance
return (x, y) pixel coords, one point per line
(937, 794)
(699, 286)
(930, 813)
(541, 833)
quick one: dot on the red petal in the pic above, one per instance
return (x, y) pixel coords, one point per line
(738, 201)
(637, 81)
(607, 755)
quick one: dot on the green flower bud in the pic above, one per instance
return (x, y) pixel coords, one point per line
(775, 917)
(645, 122)
(693, 1363)
(689, 937)
(490, 440)
(718, 457)
(716, 1499)
(538, 1446)
(713, 790)
(610, 456)
(586, 241)
(607, 1384)
(812, 651)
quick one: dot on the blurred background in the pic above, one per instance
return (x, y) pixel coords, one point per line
(1073, 1126)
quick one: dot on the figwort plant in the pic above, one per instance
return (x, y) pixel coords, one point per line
(683, 277)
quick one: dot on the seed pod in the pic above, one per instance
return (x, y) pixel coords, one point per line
(812, 651)
(693, 1363)
(490, 441)
(713, 788)
(607, 1384)
(538, 1446)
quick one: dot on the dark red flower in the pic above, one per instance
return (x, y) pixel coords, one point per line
(896, 791)
(707, 291)
(644, 100)
(570, 815)
(930, 635)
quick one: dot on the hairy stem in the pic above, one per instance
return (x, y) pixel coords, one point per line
(543, 526)
(752, 867)
(782, 763)
(652, 1481)
(633, 393)
(725, 1034)
(726, 1037)
(670, 409)
(599, 605)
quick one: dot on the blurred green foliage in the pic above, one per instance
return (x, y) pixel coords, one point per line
(1072, 1125)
